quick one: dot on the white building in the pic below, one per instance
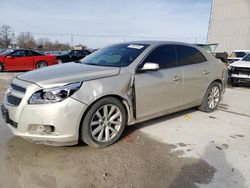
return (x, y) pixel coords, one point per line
(230, 25)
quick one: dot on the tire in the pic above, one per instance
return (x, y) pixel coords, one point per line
(97, 128)
(1, 67)
(41, 64)
(213, 94)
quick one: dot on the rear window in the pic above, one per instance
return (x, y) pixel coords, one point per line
(188, 55)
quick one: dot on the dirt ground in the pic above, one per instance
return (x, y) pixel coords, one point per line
(137, 160)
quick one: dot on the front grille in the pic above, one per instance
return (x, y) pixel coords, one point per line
(17, 88)
(241, 70)
(13, 100)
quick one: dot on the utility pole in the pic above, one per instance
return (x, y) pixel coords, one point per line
(72, 40)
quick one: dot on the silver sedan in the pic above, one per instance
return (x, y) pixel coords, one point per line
(118, 85)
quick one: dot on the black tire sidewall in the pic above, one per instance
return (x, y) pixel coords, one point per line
(85, 132)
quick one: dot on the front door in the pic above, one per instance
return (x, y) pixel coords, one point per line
(158, 91)
(18, 60)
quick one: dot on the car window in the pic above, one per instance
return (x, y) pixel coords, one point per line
(237, 54)
(29, 53)
(34, 53)
(20, 53)
(247, 58)
(165, 56)
(119, 55)
(188, 55)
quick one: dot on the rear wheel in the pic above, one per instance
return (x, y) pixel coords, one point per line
(104, 123)
(212, 98)
(1, 67)
(41, 64)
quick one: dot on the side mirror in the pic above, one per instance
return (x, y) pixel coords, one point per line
(9, 57)
(150, 67)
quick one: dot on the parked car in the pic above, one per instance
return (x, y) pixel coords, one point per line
(237, 55)
(239, 72)
(119, 85)
(23, 59)
(72, 56)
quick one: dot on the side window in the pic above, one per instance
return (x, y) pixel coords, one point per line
(20, 53)
(29, 53)
(34, 53)
(188, 55)
(165, 56)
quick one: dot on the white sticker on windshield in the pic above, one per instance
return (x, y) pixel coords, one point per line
(138, 47)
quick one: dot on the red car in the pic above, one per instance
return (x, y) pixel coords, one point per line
(22, 59)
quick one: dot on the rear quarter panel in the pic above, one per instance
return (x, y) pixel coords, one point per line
(50, 59)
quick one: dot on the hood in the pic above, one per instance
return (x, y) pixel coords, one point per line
(235, 58)
(245, 64)
(67, 73)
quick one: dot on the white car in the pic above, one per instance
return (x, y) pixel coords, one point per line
(237, 55)
(239, 72)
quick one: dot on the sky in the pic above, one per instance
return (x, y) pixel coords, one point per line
(97, 23)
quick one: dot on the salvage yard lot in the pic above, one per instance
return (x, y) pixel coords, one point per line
(185, 149)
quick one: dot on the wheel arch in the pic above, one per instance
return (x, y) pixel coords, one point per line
(40, 60)
(123, 101)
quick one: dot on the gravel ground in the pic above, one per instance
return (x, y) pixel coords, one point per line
(137, 160)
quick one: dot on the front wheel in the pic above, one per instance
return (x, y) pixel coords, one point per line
(104, 123)
(41, 64)
(212, 98)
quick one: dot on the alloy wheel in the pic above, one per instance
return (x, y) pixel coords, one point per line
(214, 97)
(106, 123)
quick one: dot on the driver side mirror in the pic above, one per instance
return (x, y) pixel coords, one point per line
(150, 67)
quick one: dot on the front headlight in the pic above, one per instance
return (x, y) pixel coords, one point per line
(53, 95)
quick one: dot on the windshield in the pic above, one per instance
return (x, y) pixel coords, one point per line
(247, 58)
(119, 55)
(7, 52)
(238, 54)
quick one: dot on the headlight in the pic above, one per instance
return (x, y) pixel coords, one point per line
(53, 95)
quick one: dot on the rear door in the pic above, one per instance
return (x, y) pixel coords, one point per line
(158, 91)
(196, 74)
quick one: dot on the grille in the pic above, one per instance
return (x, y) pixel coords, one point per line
(242, 70)
(17, 88)
(13, 100)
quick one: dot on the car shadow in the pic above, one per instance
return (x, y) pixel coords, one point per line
(211, 169)
(130, 129)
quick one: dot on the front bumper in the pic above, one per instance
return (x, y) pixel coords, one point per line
(64, 116)
(243, 79)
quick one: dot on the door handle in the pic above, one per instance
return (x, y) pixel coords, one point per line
(205, 72)
(176, 78)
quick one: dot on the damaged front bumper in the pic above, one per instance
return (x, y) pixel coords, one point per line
(51, 124)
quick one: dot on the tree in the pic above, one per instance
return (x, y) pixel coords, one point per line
(26, 40)
(6, 36)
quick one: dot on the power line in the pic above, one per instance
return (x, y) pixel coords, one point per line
(71, 35)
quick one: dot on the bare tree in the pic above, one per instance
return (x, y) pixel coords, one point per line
(46, 44)
(6, 36)
(26, 40)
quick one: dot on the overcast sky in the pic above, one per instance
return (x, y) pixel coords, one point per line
(97, 23)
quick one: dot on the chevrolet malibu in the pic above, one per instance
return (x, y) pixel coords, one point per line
(118, 85)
